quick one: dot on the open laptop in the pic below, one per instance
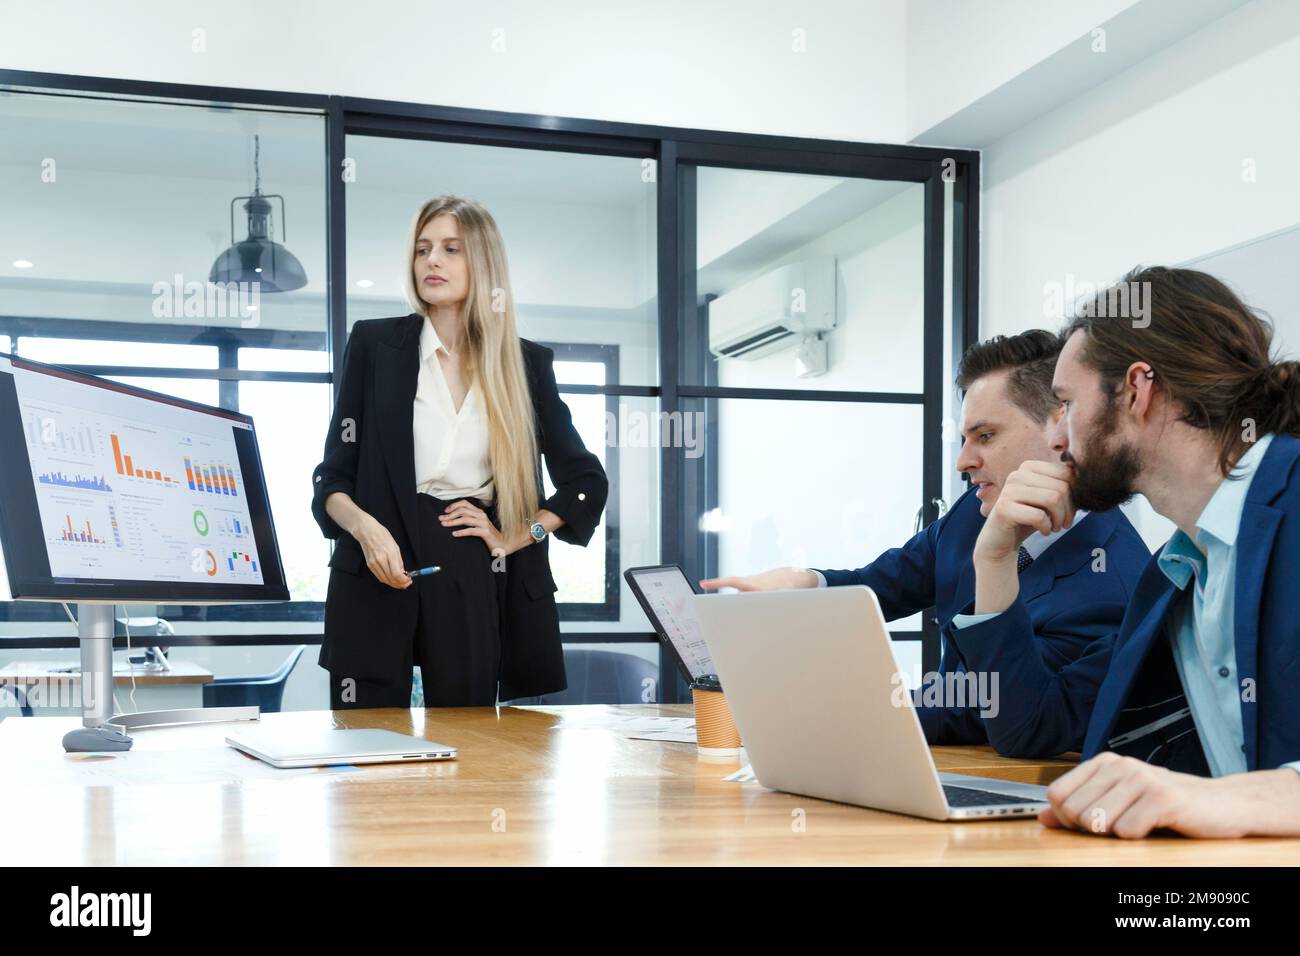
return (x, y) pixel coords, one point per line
(327, 747)
(817, 695)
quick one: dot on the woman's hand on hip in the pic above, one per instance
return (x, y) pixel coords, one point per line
(472, 521)
(383, 556)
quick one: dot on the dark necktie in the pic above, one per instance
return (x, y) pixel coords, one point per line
(1023, 560)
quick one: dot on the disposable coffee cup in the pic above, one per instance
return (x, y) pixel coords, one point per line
(715, 729)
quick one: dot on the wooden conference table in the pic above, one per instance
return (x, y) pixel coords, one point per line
(531, 786)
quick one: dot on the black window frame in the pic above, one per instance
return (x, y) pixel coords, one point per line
(606, 355)
(675, 152)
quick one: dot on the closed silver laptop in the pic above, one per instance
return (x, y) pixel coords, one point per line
(294, 747)
(822, 711)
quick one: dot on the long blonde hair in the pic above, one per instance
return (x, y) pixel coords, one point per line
(495, 357)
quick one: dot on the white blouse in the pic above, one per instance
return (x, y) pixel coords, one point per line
(451, 448)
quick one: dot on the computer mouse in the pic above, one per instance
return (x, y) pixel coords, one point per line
(95, 739)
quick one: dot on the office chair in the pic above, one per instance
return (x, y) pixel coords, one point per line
(602, 677)
(264, 690)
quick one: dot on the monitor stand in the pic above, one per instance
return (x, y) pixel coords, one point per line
(102, 728)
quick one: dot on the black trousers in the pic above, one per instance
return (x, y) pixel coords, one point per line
(457, 639)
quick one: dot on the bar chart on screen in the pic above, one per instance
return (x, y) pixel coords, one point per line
(85, 482)
(137, 468)
(121, 496)
(84, 532)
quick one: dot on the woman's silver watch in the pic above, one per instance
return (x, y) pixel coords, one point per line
(537, 531)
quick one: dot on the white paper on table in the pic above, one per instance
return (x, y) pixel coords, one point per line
(683, 735)
(680, 729)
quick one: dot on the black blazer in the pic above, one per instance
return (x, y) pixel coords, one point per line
(370, 454)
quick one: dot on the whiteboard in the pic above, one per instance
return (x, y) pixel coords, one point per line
(1265, 273)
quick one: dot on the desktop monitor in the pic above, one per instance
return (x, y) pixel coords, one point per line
(112, 494)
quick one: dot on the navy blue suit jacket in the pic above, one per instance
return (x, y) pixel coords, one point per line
(1081, 705)
(1068, 604)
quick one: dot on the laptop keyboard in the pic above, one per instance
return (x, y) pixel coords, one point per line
(966, 797)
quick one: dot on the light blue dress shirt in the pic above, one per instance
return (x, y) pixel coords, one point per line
(1201, 629)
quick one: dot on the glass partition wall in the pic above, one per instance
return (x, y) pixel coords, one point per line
(116, 214)
(754, 333)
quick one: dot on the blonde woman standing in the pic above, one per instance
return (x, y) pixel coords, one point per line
(433, 458)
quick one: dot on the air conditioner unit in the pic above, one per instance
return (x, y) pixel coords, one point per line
(774, 311)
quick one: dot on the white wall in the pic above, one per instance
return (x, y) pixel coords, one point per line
(958, 51)
(725, 65)
(1147, 169)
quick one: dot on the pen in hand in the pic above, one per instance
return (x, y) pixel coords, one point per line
(434, 569)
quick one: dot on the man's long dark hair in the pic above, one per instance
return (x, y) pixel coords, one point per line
(1210, 352)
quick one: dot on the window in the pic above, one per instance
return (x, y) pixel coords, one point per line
(807, 343)
(123, 223)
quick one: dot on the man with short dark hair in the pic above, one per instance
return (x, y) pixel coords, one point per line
(1077, 582)
(1190, 712)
